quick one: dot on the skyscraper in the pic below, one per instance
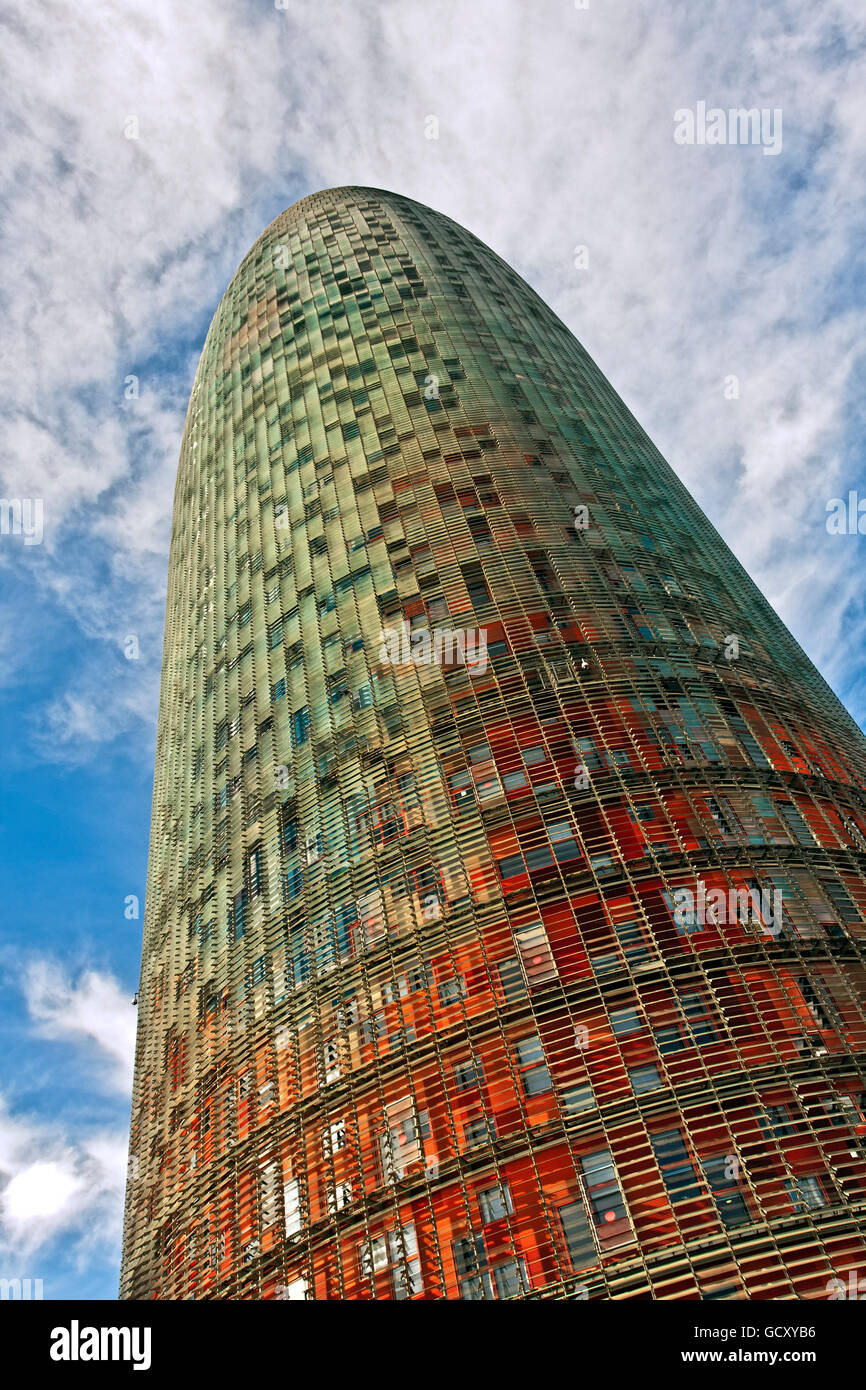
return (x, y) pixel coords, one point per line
(505, 926)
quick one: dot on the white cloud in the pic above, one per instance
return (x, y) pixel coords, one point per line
(556, 129)
(91, 1008)
(39, 1192)
(55, 1184)
(62, 1175)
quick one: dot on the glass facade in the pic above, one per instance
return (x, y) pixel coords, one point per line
(505, 930)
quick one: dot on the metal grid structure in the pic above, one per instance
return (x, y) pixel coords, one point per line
(424, 1009)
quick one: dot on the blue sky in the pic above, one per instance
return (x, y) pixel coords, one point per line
(556, 126)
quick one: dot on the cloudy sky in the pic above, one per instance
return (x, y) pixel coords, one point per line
(147, 144)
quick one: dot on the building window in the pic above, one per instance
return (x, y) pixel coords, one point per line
(727, 1195)
(669, 1040)
(633, 943)
(817, 1000)
(590, 757)
(685, 919)
(512, 865)
(462, 788)
(777, 1121)
(339, 1196)
(602, 965)
(532, 1065)
(374, 1027)
(576, 1099)
(513, 781)
(495, 1204)
(417, 978)
(293, 1207)
(565, 846)
(726, 821)
(698, 1020)
(334, 1138)
(510, 1279)
(479, 753)
(452, 989)
(468, 1075)
(301, 725)
(293, 1292)
(800, 830)
(644, 1079)
(579, 1240)
(625, 1021)
(477, 1131)
(270, 1187)
(479, 594)
(239, 913)
(511, 978)
(254, 872)
(290, 834)
(394, 1254)
(605, 1200)
(843, 1108)
(675, 1165)
(539, 858)
(470, 1258)
(535, 953)
(807, 1192)
(479, 1280)
(402, 1145)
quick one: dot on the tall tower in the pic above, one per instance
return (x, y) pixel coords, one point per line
(505, 911)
